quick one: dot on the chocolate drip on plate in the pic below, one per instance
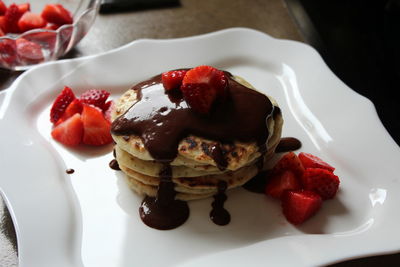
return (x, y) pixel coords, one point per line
(219, 215)
(257, 183)
(114, 165)
(288, 144)
(164, 212)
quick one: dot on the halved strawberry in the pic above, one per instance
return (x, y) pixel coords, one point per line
(310, 161)
(280, 182)
(200, 97)
(61, 103)
(74, 107)
(289, 161)
(321, 181)
(30, 21)
(8, 51)
(300, 205)
(3, 23)
(3, 8)
(210, 76)
(95, 97)
(57, 14)
(172, 79)
(29, 51)
(96, 127)
(70, 131)
(24, 7)
(11, 18)
(108, 108)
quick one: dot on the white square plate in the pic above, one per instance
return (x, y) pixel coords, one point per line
(90, 218)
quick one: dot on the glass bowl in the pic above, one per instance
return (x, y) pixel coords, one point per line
(24, 50)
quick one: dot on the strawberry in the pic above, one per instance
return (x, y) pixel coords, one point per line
(96, 127)
(289, 161)
(74, 107)
(200, 97)
(30, 21)
(11, 18)
(279, 183)
(3, 8)
(25, 7)
(70, 131)
(310, 161)
(321, 181)
(213, 77)
(29, 51)
(300, 205)
(57, 14)
(95, 97)
(61, 103)
(3, 23)
(172, 79)
(108, 108)
(8, 53)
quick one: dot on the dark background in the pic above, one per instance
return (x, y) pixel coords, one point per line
(360, 41)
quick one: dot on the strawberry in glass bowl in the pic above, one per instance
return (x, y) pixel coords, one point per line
(38, 31)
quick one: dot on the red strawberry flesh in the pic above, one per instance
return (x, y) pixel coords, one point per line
(321, 181)
(96, 127)
(311, 161)
(57, 14)
(172, 79)
(300, 205)
(70, 131)
(279, 183)
(95, 97)
(61, 103)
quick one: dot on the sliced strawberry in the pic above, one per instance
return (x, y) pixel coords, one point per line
(200, 97)
(310, 161)
(30, 21)
(281, 182)
(211, 76)
(173, 79)
(8, 51)
(25, 7)
(3, 23)
(96, 127)
(3, 8)
(51, 26)
(70, 131)
(61, 103)
(95, 97)
(74, 107)
(108, 108)
(289, 161)
(321, 181)
(300, 205)
(11, 18)
(57, 14)
(29, 51)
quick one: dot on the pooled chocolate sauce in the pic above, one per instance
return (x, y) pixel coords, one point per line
(163, 119)
(288, 144)
(257, 183)
(164, 212)
(70, 171)
(114, 165)
(162, 123)
(219, 215)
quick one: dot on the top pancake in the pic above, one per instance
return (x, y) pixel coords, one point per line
(193, 151)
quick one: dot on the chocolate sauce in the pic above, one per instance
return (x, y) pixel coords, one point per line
(164, 212)
(162, 123)
(288, 144)
(219, 215)
(163, 119)
(114, 165)
(257, 183)
(70, 171)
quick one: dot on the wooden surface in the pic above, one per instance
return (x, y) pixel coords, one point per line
(192, 17)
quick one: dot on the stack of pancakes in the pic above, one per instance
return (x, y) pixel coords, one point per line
(194, 172)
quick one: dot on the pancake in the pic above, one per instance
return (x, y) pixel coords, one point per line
(195, 173)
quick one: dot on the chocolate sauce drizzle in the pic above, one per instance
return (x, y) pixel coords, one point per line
(219, 215)
(288, 144)
(163, 119)
(114, 165)
(164, 212)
